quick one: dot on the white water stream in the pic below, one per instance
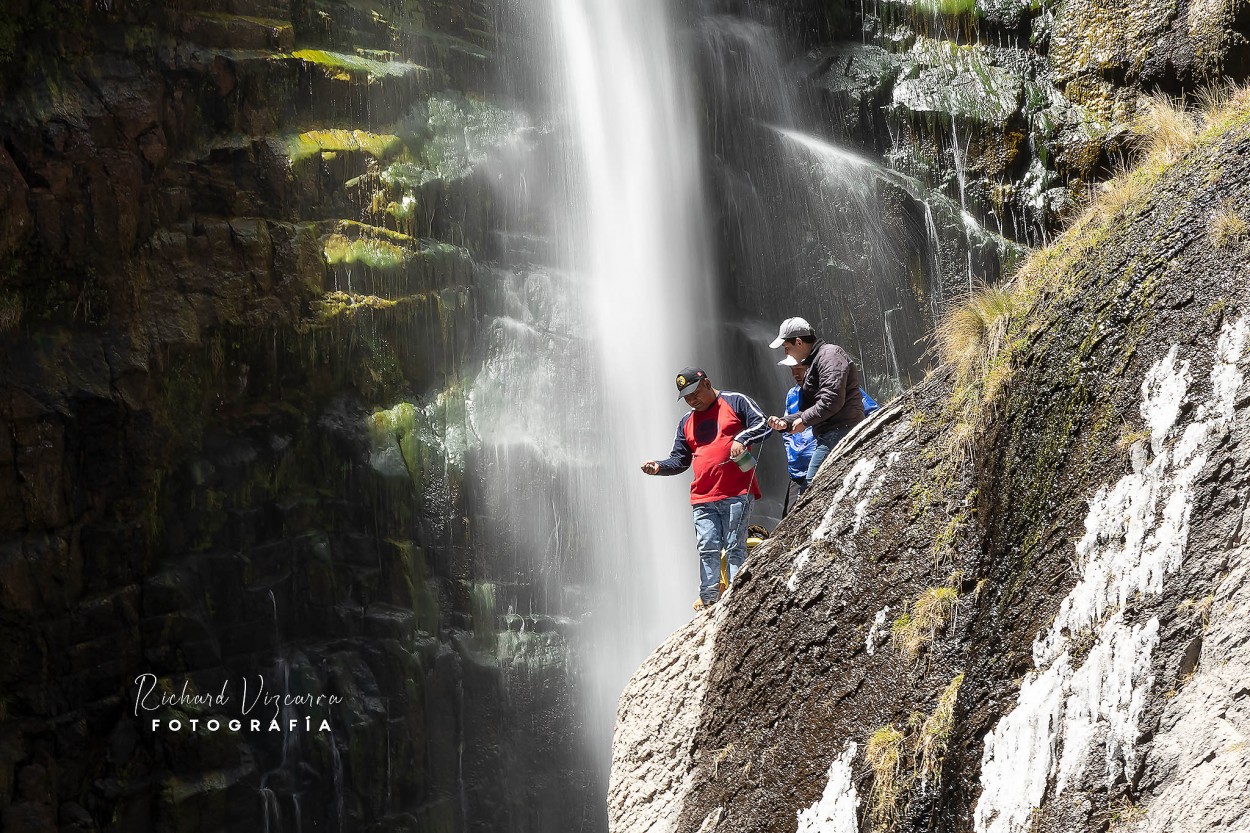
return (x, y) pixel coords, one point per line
(636, 246)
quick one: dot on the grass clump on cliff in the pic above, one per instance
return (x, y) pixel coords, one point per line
(1164, 128)
(924, 619)
(934, 734)
(1227, 229)
(904, 760)
(976, 331)
(884, 753)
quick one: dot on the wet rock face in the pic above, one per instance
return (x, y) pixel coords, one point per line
(1034, 626)
(243, 253)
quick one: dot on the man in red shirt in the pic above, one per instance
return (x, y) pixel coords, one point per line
(720, 426)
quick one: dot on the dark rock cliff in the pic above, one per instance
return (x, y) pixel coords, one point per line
(242, 248)
(1015, 600)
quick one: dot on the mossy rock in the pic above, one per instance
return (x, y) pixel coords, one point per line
(333, 140)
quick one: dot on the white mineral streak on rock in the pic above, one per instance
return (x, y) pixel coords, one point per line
(800, 561)
(1135, 534)
(851, 485)
(1105, 699)
(876, 633)
(711, 820)
(835, 812)
(1163, 394)
(652, 751)
(1019, 753)
(1202, 750)
(861, 508)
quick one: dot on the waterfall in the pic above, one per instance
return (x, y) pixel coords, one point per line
(632, 219)
(602, 293)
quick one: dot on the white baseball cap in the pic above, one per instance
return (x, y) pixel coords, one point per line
(792, 328)
(788, 361)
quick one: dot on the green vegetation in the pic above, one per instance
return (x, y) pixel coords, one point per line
(370, 251)
(335, 304)
(433, 434)
(347, 67)
(950, 8)
(378, 145)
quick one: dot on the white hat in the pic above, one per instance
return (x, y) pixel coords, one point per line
(788, 361)
(792, 328)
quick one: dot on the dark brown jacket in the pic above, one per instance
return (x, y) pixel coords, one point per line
(829, 397)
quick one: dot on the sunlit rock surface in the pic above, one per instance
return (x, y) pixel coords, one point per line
(1085, 530)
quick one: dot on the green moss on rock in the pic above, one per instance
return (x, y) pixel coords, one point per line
(377, 145)
(349, 67)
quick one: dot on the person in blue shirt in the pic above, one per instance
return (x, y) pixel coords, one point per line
(801, 444)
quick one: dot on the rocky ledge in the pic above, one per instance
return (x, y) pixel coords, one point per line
(1016, 598)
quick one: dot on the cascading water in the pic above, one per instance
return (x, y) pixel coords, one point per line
(801, 236)
(603, 293)
(633, 223)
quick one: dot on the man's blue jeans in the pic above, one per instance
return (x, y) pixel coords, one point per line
(721, 524)
(824, 444)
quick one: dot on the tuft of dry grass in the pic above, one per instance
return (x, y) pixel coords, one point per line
(1202, 607)
(901, 758)
(1222, 103)
(1126, 187)
(1130, 435)
(884, 753)
(974, 330)
(934, 735)
(1226, 228)
(1164, 128)
(920, 623)
(1125, 813)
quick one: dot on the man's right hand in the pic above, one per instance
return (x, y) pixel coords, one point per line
(778, 424)
(651, 467)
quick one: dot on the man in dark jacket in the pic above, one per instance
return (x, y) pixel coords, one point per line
(710, 438)
(829, 399)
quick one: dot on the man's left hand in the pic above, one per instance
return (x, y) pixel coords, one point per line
(797, 426)
(736, 449)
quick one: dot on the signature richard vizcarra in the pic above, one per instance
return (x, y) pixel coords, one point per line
(253, 706)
